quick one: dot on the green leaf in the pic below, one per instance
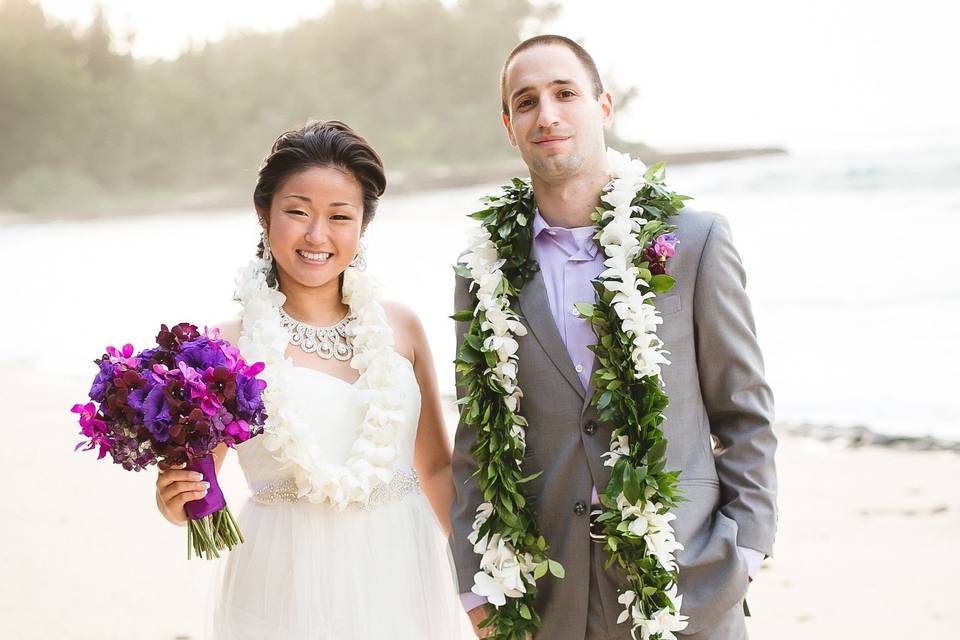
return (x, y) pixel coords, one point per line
(540, 570)
(656, 452)
(556, 569)
(605, 399)
(532, 476)
(463, 316)
(662, 283)
(462, 271)
(469, 355)
(632, 488)
(585, 309)
(525, 611)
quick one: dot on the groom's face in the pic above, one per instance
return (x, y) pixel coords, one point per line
(553, 117)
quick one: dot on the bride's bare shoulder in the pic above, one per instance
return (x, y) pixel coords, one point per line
(229, 330)
(407, 328)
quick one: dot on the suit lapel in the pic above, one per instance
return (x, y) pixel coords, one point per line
(590, 388)
(535, 307)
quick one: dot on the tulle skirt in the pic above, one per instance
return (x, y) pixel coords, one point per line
(309, 572)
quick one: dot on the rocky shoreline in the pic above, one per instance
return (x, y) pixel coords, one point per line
(861, 436)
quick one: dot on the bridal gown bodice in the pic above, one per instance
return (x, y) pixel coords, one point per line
(332, 407)
(313, 571)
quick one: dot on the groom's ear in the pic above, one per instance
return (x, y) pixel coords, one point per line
(606, 109)
(506, 123)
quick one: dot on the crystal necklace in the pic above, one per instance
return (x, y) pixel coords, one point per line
(326, 342)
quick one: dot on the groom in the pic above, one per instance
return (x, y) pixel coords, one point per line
(719, 420)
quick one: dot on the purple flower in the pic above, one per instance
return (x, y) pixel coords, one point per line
(102, 380)
(150, 402)
(249, 402)
(201, 354)
(665, 246)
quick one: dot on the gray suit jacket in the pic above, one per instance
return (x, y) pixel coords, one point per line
(716, 387)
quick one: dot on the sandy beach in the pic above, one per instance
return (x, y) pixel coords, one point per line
(866, 547)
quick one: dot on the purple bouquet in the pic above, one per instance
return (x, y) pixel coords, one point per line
(172, 405)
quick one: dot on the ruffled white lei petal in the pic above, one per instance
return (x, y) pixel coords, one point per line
(372, 460)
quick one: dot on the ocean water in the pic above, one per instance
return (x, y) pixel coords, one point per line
(851, 260)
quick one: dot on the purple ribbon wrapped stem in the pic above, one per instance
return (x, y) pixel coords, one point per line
(214, 500)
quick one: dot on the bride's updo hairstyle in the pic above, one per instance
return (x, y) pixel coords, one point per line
(321, 144)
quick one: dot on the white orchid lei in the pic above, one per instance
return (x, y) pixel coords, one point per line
(633, 233)
(373, 456)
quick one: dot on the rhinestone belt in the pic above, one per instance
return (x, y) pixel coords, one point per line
(284, 491)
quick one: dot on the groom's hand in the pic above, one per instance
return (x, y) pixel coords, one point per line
(478, 615)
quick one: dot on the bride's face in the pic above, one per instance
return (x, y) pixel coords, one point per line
(315, 223)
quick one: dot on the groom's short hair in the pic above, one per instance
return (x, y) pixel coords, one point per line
(548, 39)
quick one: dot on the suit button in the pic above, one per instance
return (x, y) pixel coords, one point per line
(590, 428)
(580, 508)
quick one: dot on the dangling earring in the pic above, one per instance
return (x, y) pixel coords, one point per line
(265, 241)
(360, 261)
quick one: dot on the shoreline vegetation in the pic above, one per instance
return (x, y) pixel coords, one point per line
(398, 182)
(99, 133)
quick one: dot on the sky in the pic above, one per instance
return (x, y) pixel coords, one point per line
(710, 74)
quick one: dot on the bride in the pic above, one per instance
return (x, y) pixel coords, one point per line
(350, 483)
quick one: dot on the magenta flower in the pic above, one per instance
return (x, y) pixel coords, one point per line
(123, 356)
(209, 404)
(93, 428)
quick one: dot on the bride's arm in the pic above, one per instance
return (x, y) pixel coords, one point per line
(432, 450)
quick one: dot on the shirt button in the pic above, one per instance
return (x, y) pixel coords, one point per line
(580, 508)
(590, 428)
(579, 368)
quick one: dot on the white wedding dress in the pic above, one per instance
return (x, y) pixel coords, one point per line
(313, 572)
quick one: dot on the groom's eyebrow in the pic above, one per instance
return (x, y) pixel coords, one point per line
(523, 90)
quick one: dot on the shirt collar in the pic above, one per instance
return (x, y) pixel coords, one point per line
(581, 237)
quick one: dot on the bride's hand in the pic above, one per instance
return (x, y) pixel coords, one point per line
(176, 487)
